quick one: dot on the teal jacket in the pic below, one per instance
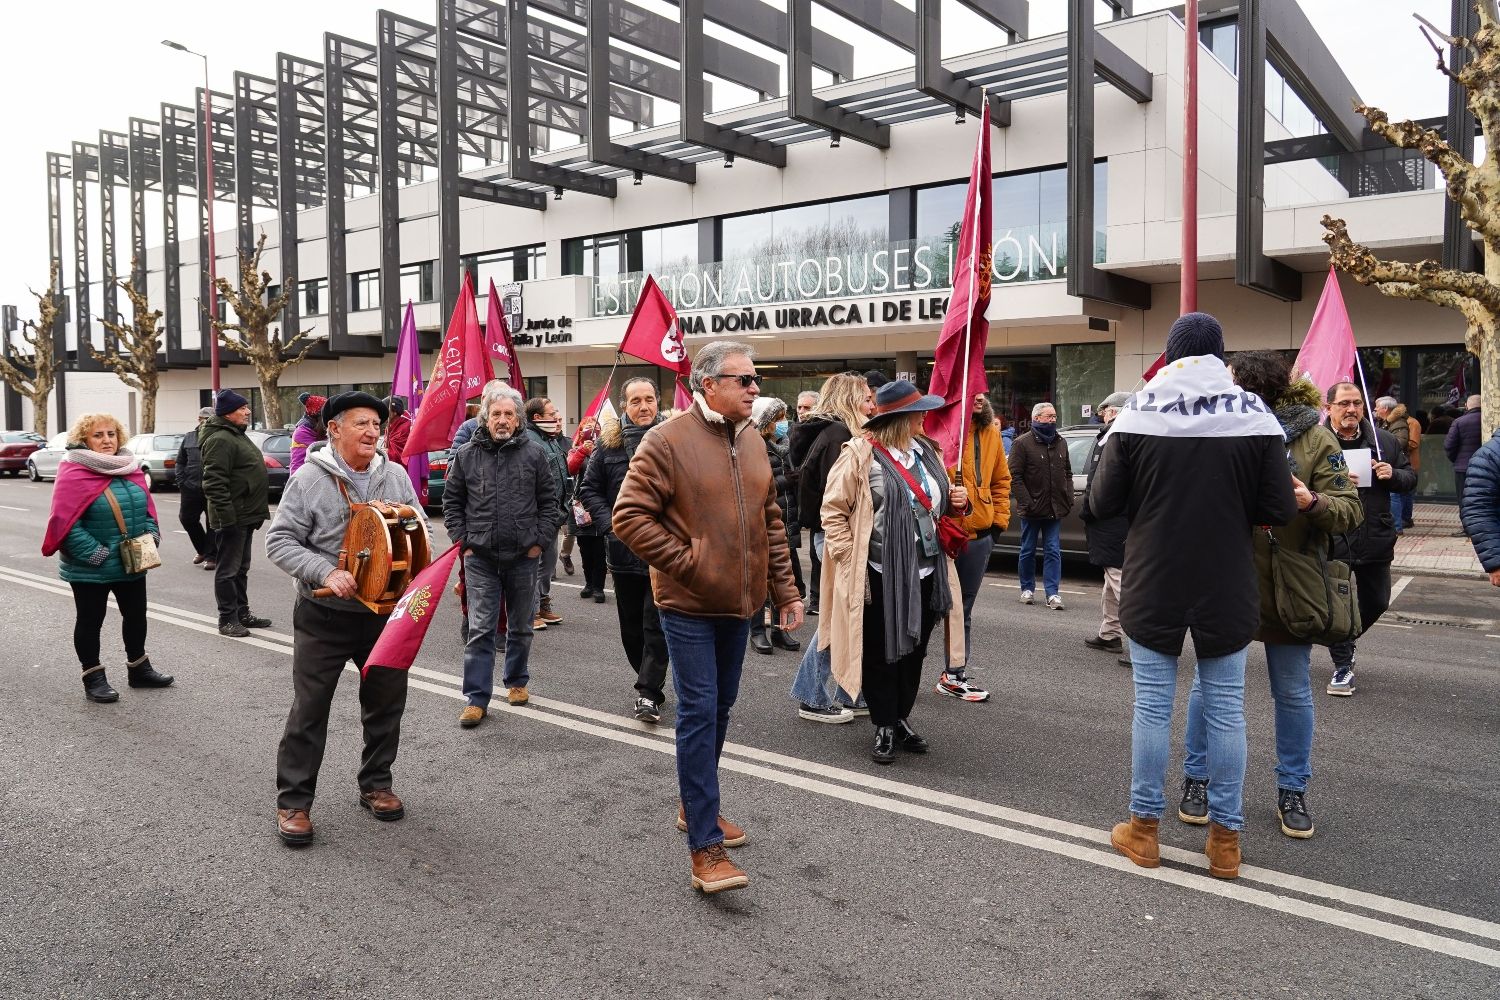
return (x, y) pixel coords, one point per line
(91, 552)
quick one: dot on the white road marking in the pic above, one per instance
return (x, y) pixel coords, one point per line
(1398, 588)
(1017, 587)
(24, 510)
(801, 777)
(1393, 625)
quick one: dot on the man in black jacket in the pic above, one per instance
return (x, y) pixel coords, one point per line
(1041, 475)
(1106, 541)
(235, 485)
(1370, 548)
(501, 501)
(194, 505)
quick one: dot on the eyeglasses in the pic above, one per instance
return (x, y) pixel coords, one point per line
(1348, 404)
(746, 381)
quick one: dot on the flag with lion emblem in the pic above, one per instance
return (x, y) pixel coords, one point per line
(407, 626)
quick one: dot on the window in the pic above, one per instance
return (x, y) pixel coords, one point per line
(1222, 39)
(596, 256)
(1084, 375)
(314, 297)
(364, 291)
(417, 282)
(505, 266)
(669, 248)
(805, 231)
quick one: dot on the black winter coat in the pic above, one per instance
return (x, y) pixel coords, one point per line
(1463, 440)
(598, 491)
(1041, 477)
(1106, 536)
(555, 447)
(814, 447)
(501, 499)
(1480, 505)
(786, 489)
(190, 463)
(1374, 541)
(1192, 504)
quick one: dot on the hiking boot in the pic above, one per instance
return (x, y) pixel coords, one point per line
(714, 872)
(294, 826)
(567, 562)
(1027, 597)
(537, 624)
(96, 687)
(1137, 839)
(1194, 806)
(1055, 603)
(834, 714)
(517, 695)
(956, 684)
(1342, 682)
(547, 615)
(249, 620)
(234, 630)
(734, 834)
(383, 804)
(471, 716)
(1104, 645)
(1292, 807)
(1223, 850)
(141, 674)
(647, 711)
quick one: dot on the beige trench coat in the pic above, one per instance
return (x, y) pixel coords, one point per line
(848, 519)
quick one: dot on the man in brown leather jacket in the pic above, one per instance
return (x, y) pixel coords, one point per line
(699, 507)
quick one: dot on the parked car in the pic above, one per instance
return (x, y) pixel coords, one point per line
(15, 446)
(42, 463)
(276, 446)
(1080, 439)
(158, 455)
(437, 476)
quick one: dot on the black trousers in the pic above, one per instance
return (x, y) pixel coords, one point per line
(323, 640)
(890, 688)
(816, 570)
(232, 572)
(91, 600)
(190, 516)
(641, 634)
(1372, 584)
(595, 565)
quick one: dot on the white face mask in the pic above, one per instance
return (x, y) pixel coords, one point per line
(548, 426)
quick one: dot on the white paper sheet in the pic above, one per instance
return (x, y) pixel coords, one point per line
(1358, 460)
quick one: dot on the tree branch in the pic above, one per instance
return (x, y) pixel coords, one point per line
(1359, 262)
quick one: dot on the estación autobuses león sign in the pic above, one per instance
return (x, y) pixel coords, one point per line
(810, 317)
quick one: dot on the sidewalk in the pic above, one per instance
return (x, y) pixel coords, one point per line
(1429, 549)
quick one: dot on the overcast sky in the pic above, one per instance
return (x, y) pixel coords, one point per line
(68, 71)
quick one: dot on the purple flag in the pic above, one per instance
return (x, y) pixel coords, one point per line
(406, 382)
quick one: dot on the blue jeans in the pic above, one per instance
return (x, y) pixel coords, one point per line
(707, 655)
(1220, 691)
(1291, 689)
(814, 684)
(1050, 529)
(489, 584)
(1401, 508)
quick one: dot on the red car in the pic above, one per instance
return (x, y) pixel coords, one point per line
(15, 446)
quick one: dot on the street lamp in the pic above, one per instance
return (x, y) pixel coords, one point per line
(208, 162)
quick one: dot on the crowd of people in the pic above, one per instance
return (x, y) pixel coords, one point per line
(1230, 515)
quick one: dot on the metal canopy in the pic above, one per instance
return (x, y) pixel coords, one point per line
(300, 153)
(601, 149)
(255, 143)
(351, 157)
(114, 168)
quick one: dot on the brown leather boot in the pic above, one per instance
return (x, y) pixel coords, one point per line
(294, 826)
(1137, 840)
(734, 834)
(1223, 850)
(383, 804)
(714, 872)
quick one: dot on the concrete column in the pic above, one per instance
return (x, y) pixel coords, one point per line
(906, 361)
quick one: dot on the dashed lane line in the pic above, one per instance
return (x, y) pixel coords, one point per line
(800, 775)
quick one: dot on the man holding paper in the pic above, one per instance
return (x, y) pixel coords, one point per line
(1379, 467)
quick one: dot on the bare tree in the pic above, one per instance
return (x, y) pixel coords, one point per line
(35, 381)
(253, 338)
(141, 340)
(1476, 189)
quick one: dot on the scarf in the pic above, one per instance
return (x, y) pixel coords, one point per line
(634, 433)
(1045, 433)
(1195, 397)
(899, 562)
(82, 478)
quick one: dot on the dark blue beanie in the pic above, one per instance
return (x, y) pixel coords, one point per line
(227, 401)
(1194, 335)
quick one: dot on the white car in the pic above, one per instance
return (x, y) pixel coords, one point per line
(42, 463)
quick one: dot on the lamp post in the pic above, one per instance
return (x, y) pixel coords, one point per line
(208, 162)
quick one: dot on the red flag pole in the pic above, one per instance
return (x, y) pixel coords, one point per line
(1189, 302)
(966, 406)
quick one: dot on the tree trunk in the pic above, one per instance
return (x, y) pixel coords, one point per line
(39, 412)
(148, 406)
(270, 398)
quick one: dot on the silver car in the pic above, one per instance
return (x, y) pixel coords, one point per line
(42, 463)
(158, 455)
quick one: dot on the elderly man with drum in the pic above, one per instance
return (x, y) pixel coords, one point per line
(331, 621)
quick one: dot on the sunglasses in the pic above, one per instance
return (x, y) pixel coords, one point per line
(746, 381)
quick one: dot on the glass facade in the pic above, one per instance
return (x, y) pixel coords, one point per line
(314, 296)
(831, 227)
(1084, 375)
(364, 291)
(417, 283)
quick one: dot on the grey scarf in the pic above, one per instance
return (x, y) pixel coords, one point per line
(121, 463)
(900, 563)
(633, 433)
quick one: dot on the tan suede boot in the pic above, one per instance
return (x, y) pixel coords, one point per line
(1223, 850)
(1137, 840)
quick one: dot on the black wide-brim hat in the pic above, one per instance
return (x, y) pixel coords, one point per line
(899, 397)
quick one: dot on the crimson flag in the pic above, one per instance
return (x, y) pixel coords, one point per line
(653, 334)
(459, 372)
(502, 348)
(958, 361)
(600, 401)
(405, 629)
(1156, 366)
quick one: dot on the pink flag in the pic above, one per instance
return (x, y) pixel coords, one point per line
(459, 372)
(958, 363)
(1327, 355)
(497, 336)
(406, 383)
(681, 398)
(404, 631)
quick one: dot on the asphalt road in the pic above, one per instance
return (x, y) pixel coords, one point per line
(138, 855)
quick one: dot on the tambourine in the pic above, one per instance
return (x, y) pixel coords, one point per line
(385, 546)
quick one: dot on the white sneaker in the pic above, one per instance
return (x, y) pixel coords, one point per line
(1027, 597)
(1055, 603)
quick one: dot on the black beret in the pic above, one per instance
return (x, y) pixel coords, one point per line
(352, 400)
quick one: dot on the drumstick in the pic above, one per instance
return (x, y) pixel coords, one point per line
(343, 564)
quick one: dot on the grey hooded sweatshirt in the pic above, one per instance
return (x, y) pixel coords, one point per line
(308, 529)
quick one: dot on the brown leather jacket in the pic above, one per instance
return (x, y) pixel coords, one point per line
(699, 507)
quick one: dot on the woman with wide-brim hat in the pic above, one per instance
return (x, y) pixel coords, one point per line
(886, 579)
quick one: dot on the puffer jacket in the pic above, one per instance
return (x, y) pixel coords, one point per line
(1480, 506)
(988, 485)
(1105, 535)
(1463, 440)
(501, 498)
(786, 488)
(699, 506)
(1314, 455)
(1374, 541)
(1042, 476)
(814, 447)
(190, 463)
(235, 483)
(600, 488)
(91, 551)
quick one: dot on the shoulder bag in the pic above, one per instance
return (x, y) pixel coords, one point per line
(1315, 595)
(952, 535)
(139, 553)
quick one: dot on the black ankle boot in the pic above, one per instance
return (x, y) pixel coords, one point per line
(141, 674)
(783, 641)
(96, 686)
(885, 745)
(909, 740)
(758, 640)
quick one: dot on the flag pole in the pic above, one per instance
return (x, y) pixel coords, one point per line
(966, 406)
(1364, 387)
(1189, 291)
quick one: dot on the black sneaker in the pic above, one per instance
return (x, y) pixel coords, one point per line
(586, 593)
(234, 630)
(1194, 806)
(1295, 821)
(647, 710)
(249, 620)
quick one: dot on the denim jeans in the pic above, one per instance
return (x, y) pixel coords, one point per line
(488, 585)
(971, 567)
(707, 656)
(1050, 530)
(1401, 508)
(1291, 689)
(1219, 690)
(814, 684)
